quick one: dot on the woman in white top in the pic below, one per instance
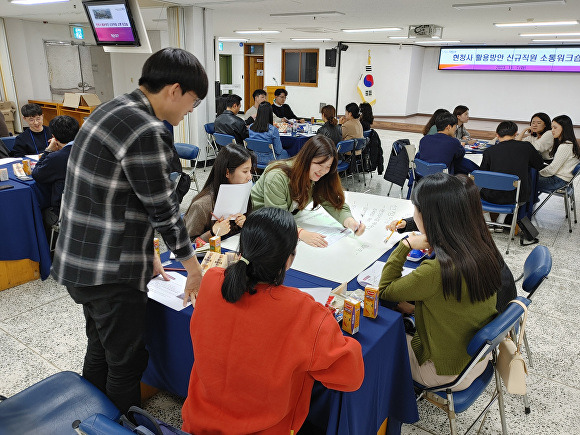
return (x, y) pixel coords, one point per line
(539, 134)
(566, 155)
(461, 133)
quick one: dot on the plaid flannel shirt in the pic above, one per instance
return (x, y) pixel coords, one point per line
(117, 191)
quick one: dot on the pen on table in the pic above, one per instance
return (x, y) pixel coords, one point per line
(393, 232)
(174, 269)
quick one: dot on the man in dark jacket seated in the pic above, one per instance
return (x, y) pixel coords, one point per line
(513, 157)
(35, 139)
(229, 122)
(50, 171)
(280, 108)
(442, 147)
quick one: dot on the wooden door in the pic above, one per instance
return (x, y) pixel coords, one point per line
(253, 72)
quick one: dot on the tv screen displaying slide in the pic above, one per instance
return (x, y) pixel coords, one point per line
(112, 22)
(542, 58)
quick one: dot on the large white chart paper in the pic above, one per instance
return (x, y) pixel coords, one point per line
(347, 257)
(232, 199)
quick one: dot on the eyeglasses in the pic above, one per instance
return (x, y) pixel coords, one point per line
(34, 120)
(197, 101)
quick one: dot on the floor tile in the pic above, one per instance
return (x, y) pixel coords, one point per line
(25, 297)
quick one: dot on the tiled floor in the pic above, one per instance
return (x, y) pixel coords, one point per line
(42, 332)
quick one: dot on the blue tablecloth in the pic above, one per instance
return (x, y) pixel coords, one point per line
(293, 144)
(23, 235)
(387, 390)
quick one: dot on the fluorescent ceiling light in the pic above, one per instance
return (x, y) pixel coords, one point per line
(541, 35)
(35, 2)
(508, 4)
(311, 39)
(436, 42)
(381, 29)
(232, 40)
(556, 40)
(256, 32)
(306, 14)
(402, 37)
(537, 24)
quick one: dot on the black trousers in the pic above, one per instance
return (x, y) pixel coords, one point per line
(116, 356)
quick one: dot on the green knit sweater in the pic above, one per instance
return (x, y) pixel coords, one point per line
(273, 190)
(444, 326)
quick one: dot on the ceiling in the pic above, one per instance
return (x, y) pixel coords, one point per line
(472, 26)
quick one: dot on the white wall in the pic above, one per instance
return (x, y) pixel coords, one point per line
(26, 42)
(304, 100)
(498, 94)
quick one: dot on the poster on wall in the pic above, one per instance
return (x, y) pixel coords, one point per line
(366, 83)
(556, 59)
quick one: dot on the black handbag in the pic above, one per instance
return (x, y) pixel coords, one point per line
(528, 232)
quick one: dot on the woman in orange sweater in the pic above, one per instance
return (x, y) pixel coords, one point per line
(259, 345)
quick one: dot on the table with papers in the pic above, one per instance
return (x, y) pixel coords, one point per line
(293, 144)
(387, 390)
(21, 219)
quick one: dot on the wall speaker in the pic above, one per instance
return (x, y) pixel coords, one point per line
(330, 57)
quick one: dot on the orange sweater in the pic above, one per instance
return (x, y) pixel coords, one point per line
(257, 359)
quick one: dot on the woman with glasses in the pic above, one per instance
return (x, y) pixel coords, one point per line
(539, 134)
(35, 139)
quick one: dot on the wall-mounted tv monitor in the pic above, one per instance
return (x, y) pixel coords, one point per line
(511, 58)
(112, 22)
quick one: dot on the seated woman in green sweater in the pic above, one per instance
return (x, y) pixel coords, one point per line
(455, 294)
(311, 175)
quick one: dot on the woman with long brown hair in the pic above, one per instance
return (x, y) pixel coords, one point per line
(311, 175)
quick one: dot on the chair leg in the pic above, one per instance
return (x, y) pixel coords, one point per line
(389, 192)
(451, 413)
(512, 231)
(527, 409)
(528, 351)
(500, 402)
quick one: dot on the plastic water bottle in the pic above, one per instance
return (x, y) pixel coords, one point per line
(293, 129)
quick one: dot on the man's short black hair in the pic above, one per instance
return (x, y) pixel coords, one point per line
(174, 65)
(232, 99)
(64, 128)
(506, 128)
(444, 120)
(280, 91)
(258, 92)
(31, 109)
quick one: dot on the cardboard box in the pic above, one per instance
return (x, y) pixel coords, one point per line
(80, 99)
(371, 302)
(351, 315)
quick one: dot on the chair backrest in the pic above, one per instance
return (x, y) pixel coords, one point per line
(495, 180)
(224, 139)
(360, 143)
(8, 142)
(344, 146)
(260, 146)
(576, 170)
(367, 133)
(209, 128)
(400, 144)
(488, 337)
(424, 168)
(536, 269)
(187, 151)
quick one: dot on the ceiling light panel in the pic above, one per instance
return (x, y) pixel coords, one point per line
(508, 4)
(538, 24)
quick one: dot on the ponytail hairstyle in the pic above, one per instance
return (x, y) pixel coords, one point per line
(329, 112)
(567, 135)
(450, 227)
(266, 260)
(432, 120)
(353, 109)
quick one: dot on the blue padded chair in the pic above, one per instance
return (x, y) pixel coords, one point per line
(537, 267)
(499, 181)
(566, 192)
(9, 142)
(421, 168)
(189, 152)
(210, 147)
(486, 340)
(223, 140)
(264, 149)
(52, 405)
(345, 146)
(359, 146)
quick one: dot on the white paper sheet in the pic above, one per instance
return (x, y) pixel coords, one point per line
(331, 233)
(372, 275)
(10, 160)
(232, 199)
(345, 259)
(320, 294)
(169, 293)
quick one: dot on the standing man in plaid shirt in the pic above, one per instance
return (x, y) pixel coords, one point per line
(118, 191)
